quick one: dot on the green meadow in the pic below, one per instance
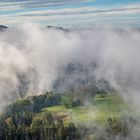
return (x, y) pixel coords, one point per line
(99, 110)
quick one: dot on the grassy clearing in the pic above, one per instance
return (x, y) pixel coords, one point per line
(103, 106)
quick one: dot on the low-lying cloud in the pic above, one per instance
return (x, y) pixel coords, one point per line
(33, 58)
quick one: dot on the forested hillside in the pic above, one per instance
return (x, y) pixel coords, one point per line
(55, 117)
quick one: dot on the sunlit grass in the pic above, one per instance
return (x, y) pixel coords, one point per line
(103, 106)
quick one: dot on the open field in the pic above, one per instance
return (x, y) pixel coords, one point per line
(102, 107)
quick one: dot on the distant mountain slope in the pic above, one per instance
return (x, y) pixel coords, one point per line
(78, 78)
(2, 27)
(57, 28)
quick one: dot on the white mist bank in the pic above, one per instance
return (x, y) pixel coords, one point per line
(31, 59)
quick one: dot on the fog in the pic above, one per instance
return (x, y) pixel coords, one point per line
(32, 58)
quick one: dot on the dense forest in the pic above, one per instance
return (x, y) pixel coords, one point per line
(20, 122)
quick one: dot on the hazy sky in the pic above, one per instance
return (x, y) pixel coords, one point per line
(71, 12)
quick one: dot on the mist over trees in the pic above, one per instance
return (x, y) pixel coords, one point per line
(19, 121)
(76, 65)
(60, 60)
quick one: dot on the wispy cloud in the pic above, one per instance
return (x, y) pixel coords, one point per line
(54, 12)
(40, 3)
(83, 10)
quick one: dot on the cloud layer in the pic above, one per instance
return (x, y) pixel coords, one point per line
(32, 58)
